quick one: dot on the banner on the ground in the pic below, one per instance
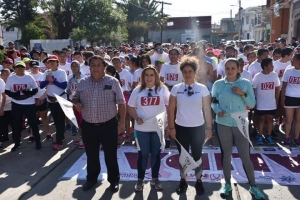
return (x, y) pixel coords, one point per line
(186, 161)
(272, 165)
(67, 107)
(242, 122)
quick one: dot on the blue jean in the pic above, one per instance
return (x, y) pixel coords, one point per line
(149, 144)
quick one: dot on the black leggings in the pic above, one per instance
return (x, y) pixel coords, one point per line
(194, 137)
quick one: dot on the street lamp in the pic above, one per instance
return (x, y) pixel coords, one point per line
(240, 21)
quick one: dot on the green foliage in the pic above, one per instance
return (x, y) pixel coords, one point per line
(2, 55)
(77, 34)
(141, 14)
(31, 31)
(18, 12)
(137, 29)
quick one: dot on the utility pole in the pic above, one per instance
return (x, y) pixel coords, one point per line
(162, 13)
(240, 20)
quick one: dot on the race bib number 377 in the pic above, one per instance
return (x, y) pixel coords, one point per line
(150, 101)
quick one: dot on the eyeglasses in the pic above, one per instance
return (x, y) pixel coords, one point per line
(189, 90)
(149, 93)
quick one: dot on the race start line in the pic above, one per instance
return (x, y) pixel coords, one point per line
(272, 165)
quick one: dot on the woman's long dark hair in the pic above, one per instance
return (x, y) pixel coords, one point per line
(111, 69)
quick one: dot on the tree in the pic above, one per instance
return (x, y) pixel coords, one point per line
(141, 14)
(31, 31)
(18, 13)
(63, 15)
(99, 19)
(77, 34)
(136, 30)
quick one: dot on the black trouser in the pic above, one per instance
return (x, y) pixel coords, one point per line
(59, 121)
(18, 111)
(5, 121)
(106, 134)
(194, 137)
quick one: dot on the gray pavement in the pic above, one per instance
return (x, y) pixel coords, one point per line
(31, 174)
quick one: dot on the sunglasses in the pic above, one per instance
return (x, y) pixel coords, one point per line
(149, 93)
(189, 90)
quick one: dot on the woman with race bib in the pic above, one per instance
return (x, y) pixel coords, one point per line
(229, 95)
(148, 100)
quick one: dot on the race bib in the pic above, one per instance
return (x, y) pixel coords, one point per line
(122, 82)
(38, 83)
(267, 86)
(172, 77)
(150, 101)
(73, 86)
(294, 80)
(281, 72)
(19, 87)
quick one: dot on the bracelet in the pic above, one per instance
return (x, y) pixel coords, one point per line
(172, 128)
(208, 129)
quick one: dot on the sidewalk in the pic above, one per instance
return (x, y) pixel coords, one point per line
(31, 174)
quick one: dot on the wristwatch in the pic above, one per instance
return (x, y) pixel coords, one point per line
(244, 95)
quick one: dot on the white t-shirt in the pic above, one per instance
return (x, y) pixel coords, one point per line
(265, 85)
(72, 84)
(66, 67)
(245, 59)
(137, 75)
(148, 107)
(2, 89)
(43, 67)
(171, 74)
(61, 76)
(254, 68)
(39, 78)
(280, 67)
(189, 108)
(292, 77)
(16, 83)
(221, 68)
(157, 56)
(245, 74)
(17, 59)
(126, 79)
(84, 69)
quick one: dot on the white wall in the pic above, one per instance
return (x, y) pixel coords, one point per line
(10, 36)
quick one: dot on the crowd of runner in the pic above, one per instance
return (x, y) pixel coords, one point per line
(265, 77)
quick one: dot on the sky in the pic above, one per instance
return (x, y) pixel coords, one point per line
(218, 9)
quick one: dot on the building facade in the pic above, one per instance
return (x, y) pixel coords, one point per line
(280, 25)
(182, 30)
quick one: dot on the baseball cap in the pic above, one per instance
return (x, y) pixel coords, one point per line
(52, 57)
(9, 61)
(24, 48)
(159, 61)
(20, 63)
(34, 63)
(26, 59)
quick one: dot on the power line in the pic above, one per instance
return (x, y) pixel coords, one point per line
(162, 14)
